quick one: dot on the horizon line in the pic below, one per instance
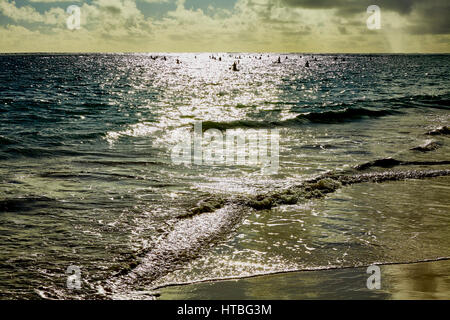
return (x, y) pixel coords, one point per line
(224, 52)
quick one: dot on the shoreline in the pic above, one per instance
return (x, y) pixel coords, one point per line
(429, 279)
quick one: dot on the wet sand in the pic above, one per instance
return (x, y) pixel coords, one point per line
(424, 280)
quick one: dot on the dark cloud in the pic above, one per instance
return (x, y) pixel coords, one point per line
(432, 19)
(354, 6)
(425, 16)
(112, 9)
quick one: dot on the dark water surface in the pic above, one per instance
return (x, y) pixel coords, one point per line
(87, 177)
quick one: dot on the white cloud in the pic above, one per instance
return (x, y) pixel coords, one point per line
(29, 14)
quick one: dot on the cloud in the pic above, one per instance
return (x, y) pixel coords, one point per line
(423, 16)
(431, 18)
(252, 25)
(353, 6)
(53, 1)
(29, 14)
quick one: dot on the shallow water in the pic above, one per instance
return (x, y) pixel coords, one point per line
(88, 180)
(425, 280)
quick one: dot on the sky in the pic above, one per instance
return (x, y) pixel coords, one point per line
(318, 26)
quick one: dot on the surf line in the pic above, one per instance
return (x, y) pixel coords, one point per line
(295, 270)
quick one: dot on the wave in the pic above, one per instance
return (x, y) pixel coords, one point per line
(439, 131)
(114, 163)
(390, 163)
(25, 204)
(427, 101)
(4, 141)
(345, 115)
(199, 229)
(155, 293)
(187, 240)
(346, 112)
(106, 176)
(36, 152)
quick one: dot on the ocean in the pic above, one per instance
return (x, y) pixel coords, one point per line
(89, 181)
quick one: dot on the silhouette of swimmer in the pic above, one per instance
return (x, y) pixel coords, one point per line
(307, 64)
(234, 67)
(178, 61)
(279, 60)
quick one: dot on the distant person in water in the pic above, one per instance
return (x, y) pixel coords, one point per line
(178, 61)
(234, 67)
(279, 60)
(307, 64)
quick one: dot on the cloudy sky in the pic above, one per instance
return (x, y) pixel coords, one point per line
(225, 25)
